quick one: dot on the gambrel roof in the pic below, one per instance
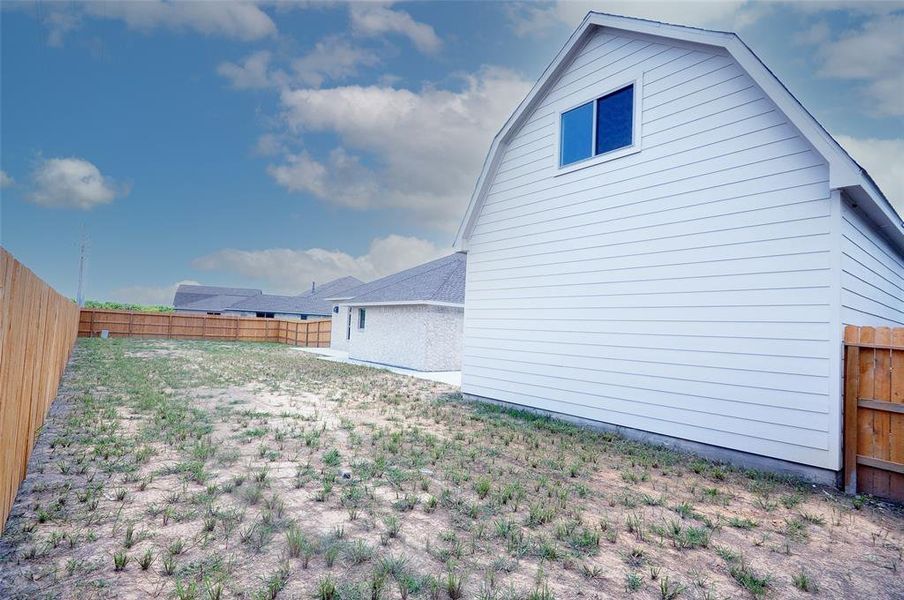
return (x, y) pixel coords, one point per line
(844, 172)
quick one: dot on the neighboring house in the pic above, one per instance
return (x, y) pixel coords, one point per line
(252, 303)
(211, 300)
(312, 304)
(664, 240)
(410, 319)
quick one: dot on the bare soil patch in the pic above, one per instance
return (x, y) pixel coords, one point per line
(228, 470)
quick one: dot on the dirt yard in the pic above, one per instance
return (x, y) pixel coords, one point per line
(217, 470)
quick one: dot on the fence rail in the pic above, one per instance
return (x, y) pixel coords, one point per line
(874, 411)
(121, 323)
(37, 331)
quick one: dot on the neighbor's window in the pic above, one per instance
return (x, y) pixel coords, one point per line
(598, 127)
(361, 314)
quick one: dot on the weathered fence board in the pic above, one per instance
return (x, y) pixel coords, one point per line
(874, 411)
(311, 333)
(37, 330)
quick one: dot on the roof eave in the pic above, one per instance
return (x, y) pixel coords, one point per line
(404, 303)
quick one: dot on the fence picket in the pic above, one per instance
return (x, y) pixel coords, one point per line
(206, 327)
(873, 418)
(38, 327)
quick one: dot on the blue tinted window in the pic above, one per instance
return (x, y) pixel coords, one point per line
(615, 120)
(577, 134)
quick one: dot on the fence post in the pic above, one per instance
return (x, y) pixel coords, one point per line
(91, 330)
(169, 326)
(130, 324)
(851, 393)
(204, 328)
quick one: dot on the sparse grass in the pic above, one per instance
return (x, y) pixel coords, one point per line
(803, 581)
(258, 472)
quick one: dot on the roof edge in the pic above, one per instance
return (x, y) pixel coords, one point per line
(404, 303)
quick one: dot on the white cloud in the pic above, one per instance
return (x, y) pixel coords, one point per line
(873, 54)
(342, 179)
(291, 271)
(59, 23)
(418, 151)
(372, 19)
(5, 180)
(531, 18)
(815, 34)
(882, 159)
(332, 58)
(236, 20)
(72, 183)
(252, 73)
(145, 294)
(270, 144)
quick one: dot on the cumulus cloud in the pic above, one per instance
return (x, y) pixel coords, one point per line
(332, 58)
(270, 144)
(882, 159)
(236, 20)
(5, 180)
(872, 54)
(291, 271)
(415, 150)
(72, 183)
(149, 294)
(372, 19)
(538, 18)
(253, 72)
(342, 179)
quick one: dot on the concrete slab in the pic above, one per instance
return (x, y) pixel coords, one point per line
(452, 378)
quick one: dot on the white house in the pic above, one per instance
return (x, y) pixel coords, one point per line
(411, 319)
(664, 241)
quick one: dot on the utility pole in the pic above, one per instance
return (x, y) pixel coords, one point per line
(83, 255)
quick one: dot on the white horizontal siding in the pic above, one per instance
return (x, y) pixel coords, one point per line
(872, 274)
(685, 289)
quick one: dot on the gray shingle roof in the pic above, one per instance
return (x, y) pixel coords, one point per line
(441, 280)
(216, 303)
(189, 295)
(315, 303)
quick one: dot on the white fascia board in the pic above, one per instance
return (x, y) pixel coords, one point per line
(404, 303)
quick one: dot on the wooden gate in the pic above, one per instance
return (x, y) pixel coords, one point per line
(874, 411)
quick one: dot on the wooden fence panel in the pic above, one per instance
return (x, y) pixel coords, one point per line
(118, 323)
(38, 327)
(874, 411)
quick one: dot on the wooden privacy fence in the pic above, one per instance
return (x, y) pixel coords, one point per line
(874, 411)
(120, 323)
(37, 330)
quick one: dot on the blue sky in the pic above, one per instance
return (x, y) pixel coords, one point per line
(272, 144)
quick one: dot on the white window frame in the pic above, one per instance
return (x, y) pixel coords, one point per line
(362, 319)
(636, 134)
